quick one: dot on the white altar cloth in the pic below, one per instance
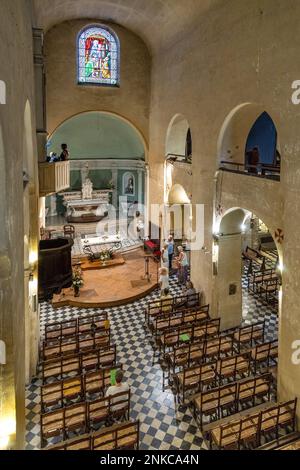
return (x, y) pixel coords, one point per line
(104, 240)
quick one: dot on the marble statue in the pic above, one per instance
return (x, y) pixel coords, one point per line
(87, 189)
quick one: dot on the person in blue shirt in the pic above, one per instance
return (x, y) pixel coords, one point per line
(170, 244)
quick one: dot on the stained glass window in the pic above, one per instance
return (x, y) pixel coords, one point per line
(98, 57)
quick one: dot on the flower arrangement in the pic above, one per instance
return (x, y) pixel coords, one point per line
(105, 255)
(77, 280)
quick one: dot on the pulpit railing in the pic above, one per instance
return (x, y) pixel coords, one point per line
(53, 177)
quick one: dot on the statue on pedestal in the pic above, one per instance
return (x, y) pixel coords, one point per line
(87, 189)
(87, 185)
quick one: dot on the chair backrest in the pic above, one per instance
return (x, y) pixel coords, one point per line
(69, 231)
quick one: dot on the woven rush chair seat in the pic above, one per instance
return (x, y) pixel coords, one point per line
(98, 411)
(262, 387)
(61, 367)
(229, 366)
(227, 441)
(248, 336)
(249, 429)
(263, 354)
(214, 347)
(191, 377)
(70, 388)
(212, 400)
(65, 331)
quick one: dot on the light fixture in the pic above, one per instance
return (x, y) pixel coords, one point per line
(33, 257)
(7, 429)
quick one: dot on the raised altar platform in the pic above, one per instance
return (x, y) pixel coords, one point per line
(119, 285)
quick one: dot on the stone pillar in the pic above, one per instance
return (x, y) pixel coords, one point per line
(140, 186)
(114, 174)
(147, 199)
(228, 280)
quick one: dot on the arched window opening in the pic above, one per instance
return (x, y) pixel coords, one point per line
(98, 57)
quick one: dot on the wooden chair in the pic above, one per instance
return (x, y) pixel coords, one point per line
(251, 389)
(64, 346)
(231, 367)
(62, 392)
(194, 379)
(118, 437)
(69, 231)
(214, 402)
(247, 335)
(265, 353)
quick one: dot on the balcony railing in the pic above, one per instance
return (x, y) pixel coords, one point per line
(53, 177)
(261, 170)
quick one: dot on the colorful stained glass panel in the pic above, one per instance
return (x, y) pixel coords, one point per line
(98, 57)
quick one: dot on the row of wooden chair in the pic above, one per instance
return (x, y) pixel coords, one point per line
(76, 326)
(254, 257)
(184, 334)
(209, 374)
(200, 351)
(250, 429)
(62, 392)
(178, 318)
(65, 366)
(257, 278)
(195, 379)
(161, 306)
(118, 437)
(230, 397)
(69, 345)
(83, 417)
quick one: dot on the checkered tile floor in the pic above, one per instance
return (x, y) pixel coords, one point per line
(163, 426)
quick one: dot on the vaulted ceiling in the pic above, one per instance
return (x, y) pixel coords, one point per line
(158, 22)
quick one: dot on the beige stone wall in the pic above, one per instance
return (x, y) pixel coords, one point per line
(17, 71)
(65, 98)
(240, 52)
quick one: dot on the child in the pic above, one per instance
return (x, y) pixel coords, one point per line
(163, 278)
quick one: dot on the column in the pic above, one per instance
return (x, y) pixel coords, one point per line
(40, 94)
(114, 174)
(228, 280)
(140, 186)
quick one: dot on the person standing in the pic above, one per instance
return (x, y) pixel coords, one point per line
(65, 153)
(182, 266)
(163, 279)
(170, 243)
(165, 256)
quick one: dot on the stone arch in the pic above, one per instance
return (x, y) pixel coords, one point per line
(235, 130)
(235, 232)
(109, 113)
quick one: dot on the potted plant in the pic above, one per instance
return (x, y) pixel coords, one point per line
(77, 282)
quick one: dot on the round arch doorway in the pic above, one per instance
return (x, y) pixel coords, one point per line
(247, 268)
